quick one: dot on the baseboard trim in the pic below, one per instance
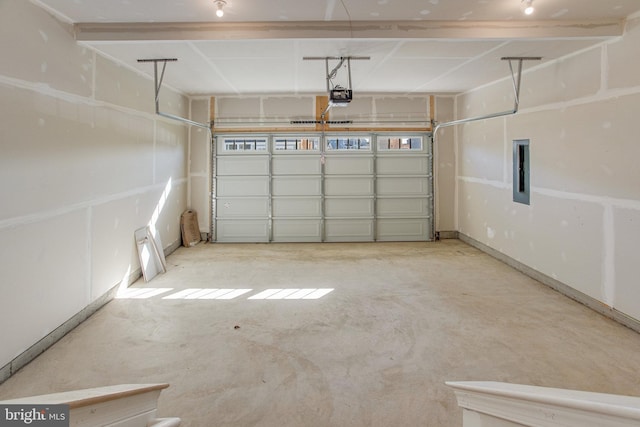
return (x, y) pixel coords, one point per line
(564, 289)
(172, 247)
(43, 344)
(442, 235)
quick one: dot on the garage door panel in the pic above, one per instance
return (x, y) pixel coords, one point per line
(348, 186)
(243, 186)
(349, 207)
(403, 186)
(402, 165)
(296, 165)
(297, 186)
(349, 230)
(297, 230)
(338, 189)
(401, 207)
(348, 165)
(243, 207)
(402, 229)
(296, 207)
(243, 165)
(237, 230)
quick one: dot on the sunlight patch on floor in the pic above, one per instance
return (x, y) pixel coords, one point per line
(223, 294)
(292, 294)
(141, 293)
(197, 293)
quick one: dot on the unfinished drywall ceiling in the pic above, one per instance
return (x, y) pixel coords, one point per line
(435, 46)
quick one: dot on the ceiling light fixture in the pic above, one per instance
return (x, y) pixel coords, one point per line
(220, 4)
(528, 7)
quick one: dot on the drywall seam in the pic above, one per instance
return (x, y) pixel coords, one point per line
(56, 14)
(200, 174)
(492, 183)
(461, 65)
(505, 162)
(214, 67)
(608, 257)
(94, 73)
(564, 289)
(127, 66)
(608, 279)
(542, 65)
(608, 95)
(155, 154)
(296, 67)
(328, 12)
(189, 135)
(45, 89)
(600, 96)
(602, 200)
(604, 69)
(89, 251)
(436, 175)
(53, 213)
(456, 167)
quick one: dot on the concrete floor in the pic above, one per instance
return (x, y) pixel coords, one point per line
(403, 318)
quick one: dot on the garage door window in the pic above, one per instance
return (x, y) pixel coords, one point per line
(245, 144)
(296, 144)
(349, 143)
(391, 143)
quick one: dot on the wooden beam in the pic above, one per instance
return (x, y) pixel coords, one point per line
(267, 130)
(315, 129)
(432, 107)
(212, 112)
(321, 104)
(473, 30)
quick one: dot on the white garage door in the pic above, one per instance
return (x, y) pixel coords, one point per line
(314, 188)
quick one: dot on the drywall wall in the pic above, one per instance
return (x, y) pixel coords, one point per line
(444, 166)
(200, 165)
(582, 226)
(365, 110)
(84, 163)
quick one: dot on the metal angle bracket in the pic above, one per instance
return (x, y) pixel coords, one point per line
(158, 84)
(517, 80)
